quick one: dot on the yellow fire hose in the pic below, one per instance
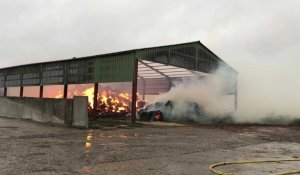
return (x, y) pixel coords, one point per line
(211, 168)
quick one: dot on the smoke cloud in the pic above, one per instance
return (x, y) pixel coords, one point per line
(201, 98)
(269, 91)
(214, 94)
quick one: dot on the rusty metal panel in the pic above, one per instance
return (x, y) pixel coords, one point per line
(114, 68)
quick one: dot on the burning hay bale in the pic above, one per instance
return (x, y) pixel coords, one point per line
(185, 111)
(110, 102)
(113, 104)
(150, 115)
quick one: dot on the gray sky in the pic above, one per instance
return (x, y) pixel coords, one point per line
(258, 38)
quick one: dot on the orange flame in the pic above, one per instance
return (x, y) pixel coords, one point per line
(90, 94)
(108, 100)
(59, 95)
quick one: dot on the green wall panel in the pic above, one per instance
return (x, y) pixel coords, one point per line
(118, 68)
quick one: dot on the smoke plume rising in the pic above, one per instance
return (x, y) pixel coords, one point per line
(214, 94)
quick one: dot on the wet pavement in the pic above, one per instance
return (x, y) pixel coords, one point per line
(34, 148)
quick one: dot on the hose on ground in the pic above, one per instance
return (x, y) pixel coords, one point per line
(211, 168)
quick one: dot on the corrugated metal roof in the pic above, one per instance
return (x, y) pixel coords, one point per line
(111, 67)
(130, 51)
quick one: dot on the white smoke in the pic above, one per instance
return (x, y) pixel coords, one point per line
(269, 90)
(210, 92)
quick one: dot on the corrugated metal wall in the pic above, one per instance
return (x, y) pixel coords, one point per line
(118, 68)
(80, 71)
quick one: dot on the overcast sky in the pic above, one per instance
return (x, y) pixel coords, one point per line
(258, 38)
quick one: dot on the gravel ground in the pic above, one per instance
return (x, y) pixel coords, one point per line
(34, 148)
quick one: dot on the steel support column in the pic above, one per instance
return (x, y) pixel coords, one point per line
(5, 91)
(95, 102)
(41, 91)
(134, 91)
(41, 82)
(21, 91)
(66, 91)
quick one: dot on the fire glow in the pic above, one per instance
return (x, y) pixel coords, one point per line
(109, 101)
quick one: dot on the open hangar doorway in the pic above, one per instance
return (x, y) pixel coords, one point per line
(156, 79)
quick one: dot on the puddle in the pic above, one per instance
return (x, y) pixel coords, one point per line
(94, 138)
(117, 135)
(88, 142)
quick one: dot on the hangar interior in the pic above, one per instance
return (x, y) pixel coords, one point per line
(117, 84)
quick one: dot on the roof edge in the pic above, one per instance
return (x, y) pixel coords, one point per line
(123, 52)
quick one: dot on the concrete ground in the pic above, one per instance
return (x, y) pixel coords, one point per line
(33, 148)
